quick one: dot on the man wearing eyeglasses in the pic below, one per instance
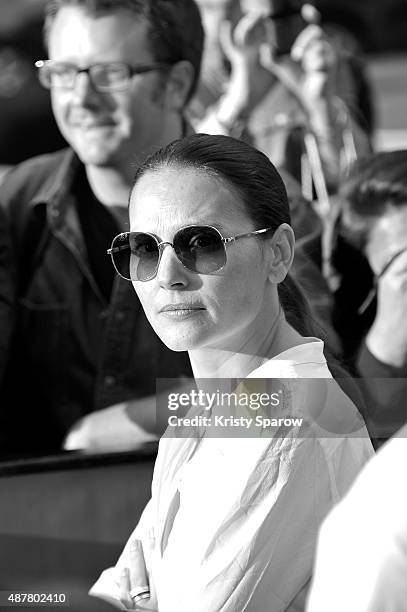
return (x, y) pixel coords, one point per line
(84, 361)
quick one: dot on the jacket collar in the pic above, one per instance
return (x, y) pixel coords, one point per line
(56, 190)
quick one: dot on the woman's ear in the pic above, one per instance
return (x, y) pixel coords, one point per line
(178, 86)
(282, 245)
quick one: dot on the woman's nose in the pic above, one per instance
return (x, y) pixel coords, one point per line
(171, 273)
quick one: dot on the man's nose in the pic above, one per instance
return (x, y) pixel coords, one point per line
(84, 91)
(171, 273)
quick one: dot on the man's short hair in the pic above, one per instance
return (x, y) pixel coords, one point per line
(376, 186)
(175, 30)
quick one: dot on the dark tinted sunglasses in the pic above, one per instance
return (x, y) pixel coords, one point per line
(200, 248)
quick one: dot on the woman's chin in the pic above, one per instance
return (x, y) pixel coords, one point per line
(178, 344)
(173, 345)
(178, 341)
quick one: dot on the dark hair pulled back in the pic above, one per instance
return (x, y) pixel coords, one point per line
(376, 186)
(257, 182)
(262, 192)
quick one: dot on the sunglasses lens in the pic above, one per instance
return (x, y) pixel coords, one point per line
(121, 255)
(144, 256)
(200, 249)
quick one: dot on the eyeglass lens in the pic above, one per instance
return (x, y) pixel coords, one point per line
(103, 76)
(199, 248)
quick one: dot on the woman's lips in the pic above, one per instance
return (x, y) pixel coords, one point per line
(180, 310)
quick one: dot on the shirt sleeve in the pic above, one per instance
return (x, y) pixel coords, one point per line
(107, 586)
(371, 367)
(361, 561)
(384, 388)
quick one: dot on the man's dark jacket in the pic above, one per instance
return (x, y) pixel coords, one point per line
(72, 351)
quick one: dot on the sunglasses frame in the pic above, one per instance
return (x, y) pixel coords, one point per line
(161, 245)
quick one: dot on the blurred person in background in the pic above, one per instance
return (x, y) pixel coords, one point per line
(84, 361)
(294, 93)
(354, 85)
(27, 125)
(274, 93)
(361, 561)
(371, 303)
(7, 288)
(214, 73)
(217, 82)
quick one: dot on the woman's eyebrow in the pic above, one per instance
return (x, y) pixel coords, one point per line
(212, 223)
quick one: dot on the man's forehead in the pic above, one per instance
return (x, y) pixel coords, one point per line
(99, 12)
(80, 31)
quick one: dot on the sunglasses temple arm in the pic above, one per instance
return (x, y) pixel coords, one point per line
(256, 232)
(117, 249)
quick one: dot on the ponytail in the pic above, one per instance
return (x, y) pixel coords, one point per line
(300, 316)
(296, 308)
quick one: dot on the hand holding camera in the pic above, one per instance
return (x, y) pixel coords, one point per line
(284, 44)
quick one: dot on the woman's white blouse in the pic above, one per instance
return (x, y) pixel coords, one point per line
(232, 523)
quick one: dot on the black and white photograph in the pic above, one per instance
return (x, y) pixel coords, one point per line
(203, 305)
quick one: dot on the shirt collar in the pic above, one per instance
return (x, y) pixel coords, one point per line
(310, 351)
(291, 363)
(53, 193)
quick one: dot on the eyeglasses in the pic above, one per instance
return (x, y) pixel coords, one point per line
(113, 76)
(373, 292)
(200, 248)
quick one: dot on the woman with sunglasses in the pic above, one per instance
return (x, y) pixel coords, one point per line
(232, 522)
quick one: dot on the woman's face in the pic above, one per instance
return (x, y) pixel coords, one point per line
(223, 309)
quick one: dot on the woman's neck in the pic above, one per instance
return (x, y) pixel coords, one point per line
(220, 363)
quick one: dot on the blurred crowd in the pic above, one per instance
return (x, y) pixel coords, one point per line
(78, 360)
(297, 91)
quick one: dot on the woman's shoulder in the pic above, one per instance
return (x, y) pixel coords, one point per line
(310, 391)
(305, 360)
